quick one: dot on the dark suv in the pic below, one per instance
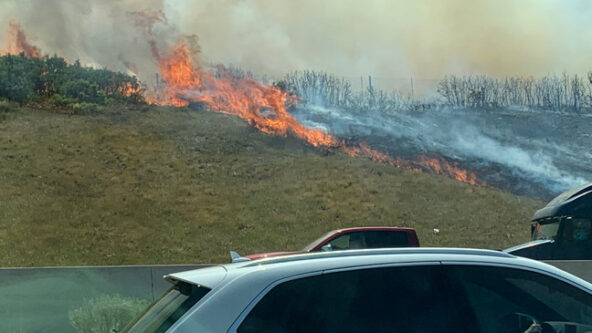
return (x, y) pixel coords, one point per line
(562, 230)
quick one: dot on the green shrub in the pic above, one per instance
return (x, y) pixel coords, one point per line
(86, 108)
(106, 313)
(8, 106)
(26, 80)
(60, 101)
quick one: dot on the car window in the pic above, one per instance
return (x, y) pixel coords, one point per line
(167, 310)
(394, 299)
(370, 240)
(577, 230)
(500, 297)
(340, 243)
(349, 241)
(546, 230)
(379, 239)
(317, 241)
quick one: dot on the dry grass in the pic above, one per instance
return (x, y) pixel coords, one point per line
(160, 185)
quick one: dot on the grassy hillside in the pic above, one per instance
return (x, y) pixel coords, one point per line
(162, 185)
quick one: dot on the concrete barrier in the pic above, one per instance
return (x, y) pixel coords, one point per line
(38, 299)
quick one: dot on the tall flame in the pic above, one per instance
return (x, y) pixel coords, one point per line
(266, 108)
(262, 106)
(17, 43)
(129, 89)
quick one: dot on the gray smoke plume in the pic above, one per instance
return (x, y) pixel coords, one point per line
(98, 33)
(541, 147)
(388, 39)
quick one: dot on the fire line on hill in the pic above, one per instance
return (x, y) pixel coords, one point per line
(263, 106)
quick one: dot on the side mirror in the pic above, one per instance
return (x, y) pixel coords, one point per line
(326, 248)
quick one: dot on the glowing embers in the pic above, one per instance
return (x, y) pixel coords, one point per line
(439, 166)
(130, 89)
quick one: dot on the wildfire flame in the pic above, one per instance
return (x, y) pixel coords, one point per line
(362, 149)
(16, 42)
(129, 89)
(439, 167)
(264, 107)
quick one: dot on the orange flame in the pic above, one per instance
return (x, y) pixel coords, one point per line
(17, 43)
(262, 106)
(265, 108)
(439, 167)
(129, 89)
(362, 149)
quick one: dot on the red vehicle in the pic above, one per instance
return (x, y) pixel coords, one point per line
(355, 238)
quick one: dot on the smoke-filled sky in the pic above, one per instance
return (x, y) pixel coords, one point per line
(385, 38)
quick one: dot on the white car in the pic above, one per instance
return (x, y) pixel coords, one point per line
(378, 290)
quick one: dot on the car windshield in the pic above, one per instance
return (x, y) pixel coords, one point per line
(318, 241)
(497, 295)
(547, 230)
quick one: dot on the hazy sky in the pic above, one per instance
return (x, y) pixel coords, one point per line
(385, 38)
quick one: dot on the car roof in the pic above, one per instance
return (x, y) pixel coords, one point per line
(573, 202)
(374, 228)
(292, 265)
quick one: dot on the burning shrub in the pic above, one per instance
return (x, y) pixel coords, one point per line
(107, 313)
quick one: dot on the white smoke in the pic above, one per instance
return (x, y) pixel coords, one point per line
(478, 138)
(472, 143)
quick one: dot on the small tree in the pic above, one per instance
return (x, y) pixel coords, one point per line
(107, 313)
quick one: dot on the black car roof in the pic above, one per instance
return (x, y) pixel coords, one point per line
(573, 202)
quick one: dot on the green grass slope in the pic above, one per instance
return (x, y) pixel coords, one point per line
(160, 185)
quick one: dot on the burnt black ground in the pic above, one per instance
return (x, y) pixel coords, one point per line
(527, 152)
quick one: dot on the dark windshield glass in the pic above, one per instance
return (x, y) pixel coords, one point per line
(165, 311)
(545, 231)
(391, 299)
(499, 296)
(378, 239)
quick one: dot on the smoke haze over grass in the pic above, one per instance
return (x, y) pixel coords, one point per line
(422, 38)
(539, 147)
